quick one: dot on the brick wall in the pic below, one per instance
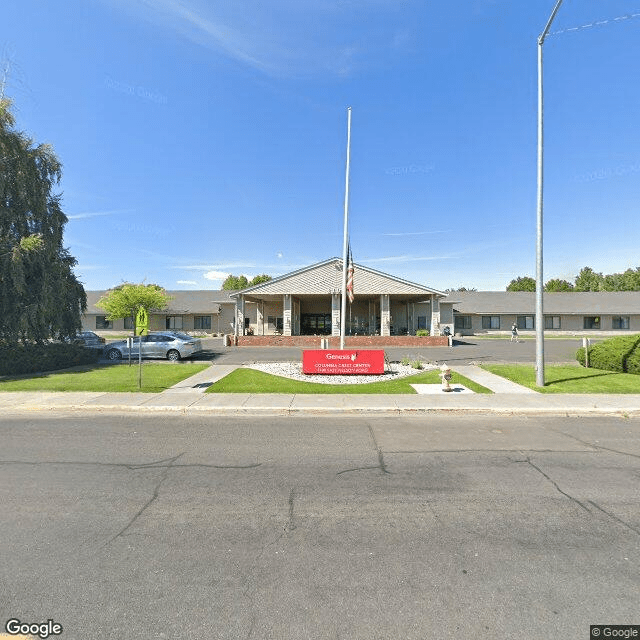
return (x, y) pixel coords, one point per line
(350, 341)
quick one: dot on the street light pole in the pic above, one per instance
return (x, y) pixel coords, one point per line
(539, 275)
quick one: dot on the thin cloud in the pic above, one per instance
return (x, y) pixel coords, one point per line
(416, 233)
(406, 259)
(189, 282)
(215, 267)
(216, 275)
(95, 214)
(281, 37)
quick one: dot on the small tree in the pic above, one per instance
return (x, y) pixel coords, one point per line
(556, 284)
(125, 300)
(259, 279)
(233, 283)
(589, 280)
(525, 283)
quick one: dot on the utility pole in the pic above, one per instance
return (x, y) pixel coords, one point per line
(539, 275)
(345, 243)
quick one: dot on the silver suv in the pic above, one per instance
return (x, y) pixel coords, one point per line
(166, 344)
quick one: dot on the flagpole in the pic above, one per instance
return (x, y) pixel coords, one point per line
(343, 310)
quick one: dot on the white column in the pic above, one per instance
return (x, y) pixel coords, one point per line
(435, 316)
(286, 315)
(336, 301)
(385, 315)
(240, 316)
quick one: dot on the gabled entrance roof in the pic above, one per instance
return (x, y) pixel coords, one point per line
(325, 278)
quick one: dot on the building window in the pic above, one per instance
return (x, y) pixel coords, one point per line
(247, 322)
(490, 322)
(591, 322)
(552, 322)
(620, 322)
(462, 322)
(526, 322)
(129, 324)
(422, 322)
(103, 323)
(174, 322)
(274, 324)
(202, 322)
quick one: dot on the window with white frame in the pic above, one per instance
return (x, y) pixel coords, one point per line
(174, 322)
(552, 322)
(620, 322)
(274, 324)
(490, 322)
(526, 322)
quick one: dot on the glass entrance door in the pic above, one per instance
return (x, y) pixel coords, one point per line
(315, 324)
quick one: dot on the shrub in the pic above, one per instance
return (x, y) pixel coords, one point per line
(422, 333)
(621, 354)
(405, 361)
(16, 359)
(416, 364)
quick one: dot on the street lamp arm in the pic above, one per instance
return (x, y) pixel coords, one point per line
(544, 34)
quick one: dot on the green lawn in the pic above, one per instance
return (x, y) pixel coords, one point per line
(568, 378)
(107, 378)
(252, 381)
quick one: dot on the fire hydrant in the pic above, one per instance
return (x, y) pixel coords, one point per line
(446, 377)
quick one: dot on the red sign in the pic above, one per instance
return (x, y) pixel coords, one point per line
(343, 362)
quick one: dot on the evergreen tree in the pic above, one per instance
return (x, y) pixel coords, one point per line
(40, 297)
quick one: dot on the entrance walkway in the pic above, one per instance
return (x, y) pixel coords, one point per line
(200, 381)
(497, 384)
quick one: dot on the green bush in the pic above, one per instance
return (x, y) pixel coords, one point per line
(621, 354)
(422, 333)
(16, 359)
(416, 364)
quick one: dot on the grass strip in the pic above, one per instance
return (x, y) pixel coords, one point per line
(253, 381)
(106, 378)
(568, 378)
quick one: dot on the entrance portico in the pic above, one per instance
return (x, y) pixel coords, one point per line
(308, 302)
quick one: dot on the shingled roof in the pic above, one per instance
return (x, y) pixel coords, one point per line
(565, 303)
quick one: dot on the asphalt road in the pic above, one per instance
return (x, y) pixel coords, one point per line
(156, 526)
(464, 351)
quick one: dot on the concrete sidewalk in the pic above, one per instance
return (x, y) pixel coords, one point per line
(188, 397)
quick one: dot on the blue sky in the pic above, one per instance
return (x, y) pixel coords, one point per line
(201, 138)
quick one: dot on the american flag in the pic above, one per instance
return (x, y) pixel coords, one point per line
(350, 276)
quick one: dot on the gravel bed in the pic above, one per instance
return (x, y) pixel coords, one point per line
(293, 370)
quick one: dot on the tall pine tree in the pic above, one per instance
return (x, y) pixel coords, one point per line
(40, 297)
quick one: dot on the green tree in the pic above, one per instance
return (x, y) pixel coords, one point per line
(125, 300)
(556, 284)
(40, 296)
(234, 283)
(630, 280)
(260, 279)
(525, 283)
(589, 280)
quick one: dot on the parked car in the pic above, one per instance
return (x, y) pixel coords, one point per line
(88, 339)
(166, 344)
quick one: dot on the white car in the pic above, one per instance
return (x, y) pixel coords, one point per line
(166, 344)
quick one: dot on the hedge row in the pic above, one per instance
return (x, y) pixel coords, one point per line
(16, 359)
(620, 354)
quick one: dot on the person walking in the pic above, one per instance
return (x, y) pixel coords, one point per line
(514, 333)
